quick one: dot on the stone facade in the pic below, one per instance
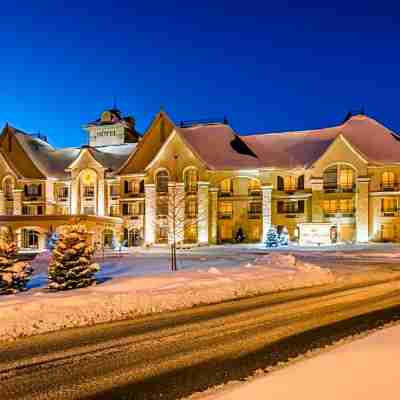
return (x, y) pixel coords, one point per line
(170, 186)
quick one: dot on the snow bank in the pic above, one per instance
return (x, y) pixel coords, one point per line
(364, 369)
(40, 311)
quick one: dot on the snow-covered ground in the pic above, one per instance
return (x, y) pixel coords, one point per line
(122, 294)
(364, 369)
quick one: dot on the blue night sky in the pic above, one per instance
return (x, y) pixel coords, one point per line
(267, 66)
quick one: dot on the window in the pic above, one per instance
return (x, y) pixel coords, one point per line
(89, 210)
(8, 186)
(254, 187)
(88, 191)
(226, 187)
(300, 182)
(225, 209)
(28, 210)
(330, 206)
(289, 183)
(346, 206)
(114, 210)
(191, 208)
(389, 205)
(330, 178)
(162, 234)
(62, 193)
(114, 190)
(190, 179)
(162, 182)
(134, 187)
(255, 208)
(343, 206)
(190, 235)
(346, 180)
(290, 207)
(108, 238)
(388, 181)
(33, 189)
(30, 239)
(162, 207)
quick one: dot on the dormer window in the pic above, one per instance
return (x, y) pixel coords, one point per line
(388, 179)
(106, 116)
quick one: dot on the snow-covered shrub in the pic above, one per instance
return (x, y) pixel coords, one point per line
(272, 239)
(71, 266)
(14, 274)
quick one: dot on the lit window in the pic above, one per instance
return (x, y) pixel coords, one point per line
(388, 180)
(330, 206)
(62, 193)
(226, 186)
(389, 205)
(346, 206)
(254, 187)
(190, 179)
(191, 208)
(162, 182)
(289, 183)
(346, 179)
(225, 209)
(88, 191)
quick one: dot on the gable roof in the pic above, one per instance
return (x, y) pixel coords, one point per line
(220, 147)
(301, 149)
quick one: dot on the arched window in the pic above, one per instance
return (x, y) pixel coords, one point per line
(162, 182)
(190, 178)
(7, 188)
(300, 182)
(388, 180)
(339, 178)
(346, 179)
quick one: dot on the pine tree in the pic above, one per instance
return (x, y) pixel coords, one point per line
(272, 239)
(14, 274)
(71, 265)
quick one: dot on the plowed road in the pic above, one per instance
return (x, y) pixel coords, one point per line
(167, 356)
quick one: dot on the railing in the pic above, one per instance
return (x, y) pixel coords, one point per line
(254, 214)
(191, 189)
(225, 194)
(255, 192)
(225, 215)
(389, 188)
(134, 194)
(389, 212)
(62, 199)
(340, 189)
(340, 214)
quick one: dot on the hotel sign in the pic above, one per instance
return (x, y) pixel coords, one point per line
(315, 234)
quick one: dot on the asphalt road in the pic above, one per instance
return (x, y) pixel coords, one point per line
(171, 355)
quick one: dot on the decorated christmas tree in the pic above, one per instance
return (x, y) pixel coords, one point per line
(14, 274)
(272, 239)
(71, 266)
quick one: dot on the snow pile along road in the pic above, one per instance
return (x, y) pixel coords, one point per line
(31, 313)
(365, 369)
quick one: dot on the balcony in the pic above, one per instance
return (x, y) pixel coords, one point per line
(255, 192)
(254, 214)
(390, 212)
(340, 214)
(225, 193)
(224, 215)
(340, 188)
(389, 187)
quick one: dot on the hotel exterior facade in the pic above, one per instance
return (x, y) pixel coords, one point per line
(200, 183)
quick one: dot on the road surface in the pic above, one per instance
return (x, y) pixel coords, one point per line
(171, 355)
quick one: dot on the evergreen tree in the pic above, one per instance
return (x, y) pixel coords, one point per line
(284, 237)
(14, 274)
(71, 265)
(272, 239)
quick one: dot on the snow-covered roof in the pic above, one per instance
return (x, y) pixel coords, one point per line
(53, 162)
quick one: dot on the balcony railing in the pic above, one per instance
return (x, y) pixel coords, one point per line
(254, 214)
(389, 187)
(225, 193)
(389, 212)
(340, 189)
(225, 215)
(255, 192)
(340, 214)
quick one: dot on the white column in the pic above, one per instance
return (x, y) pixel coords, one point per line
(362, 209)
(176, 212)
(150, 213)
(49, 198)
(74, 196)
(2, 203)
(17, 201)
(100, 194)
(213, 228)
(203, 217)
(266, 209)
